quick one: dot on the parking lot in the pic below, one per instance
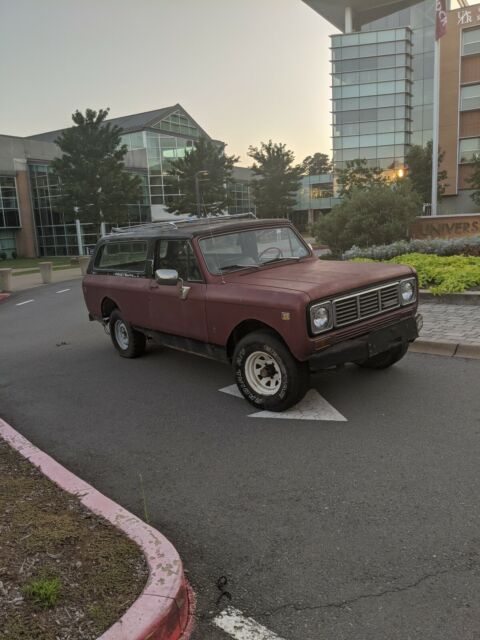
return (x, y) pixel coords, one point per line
(364, 526)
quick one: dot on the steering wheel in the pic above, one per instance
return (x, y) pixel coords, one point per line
(277, 249)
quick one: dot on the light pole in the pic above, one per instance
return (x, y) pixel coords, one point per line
(203, 172)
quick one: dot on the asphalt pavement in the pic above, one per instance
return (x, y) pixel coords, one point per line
(362, 529)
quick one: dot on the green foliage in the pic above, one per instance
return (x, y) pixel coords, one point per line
(379, 215)
(317, 164)
(441, 274)
(419, 164)
(474, 180)
(94, 184)
(205, 156)
(469, 246)
(43, 592)
(358, 175)
(278, 179)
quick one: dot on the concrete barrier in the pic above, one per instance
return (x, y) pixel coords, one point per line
(45, 271)
(84, 262)
(5, 280)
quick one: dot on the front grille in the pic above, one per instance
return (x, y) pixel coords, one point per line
(365, 304)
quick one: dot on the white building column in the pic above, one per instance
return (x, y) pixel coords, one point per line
(348, 20)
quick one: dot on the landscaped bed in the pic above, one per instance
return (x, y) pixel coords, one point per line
(65, 573)
(441, 274)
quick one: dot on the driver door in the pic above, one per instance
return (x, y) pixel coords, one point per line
(168, 312)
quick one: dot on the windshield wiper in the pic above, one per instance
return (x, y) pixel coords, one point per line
(282, 258)
(239, 266)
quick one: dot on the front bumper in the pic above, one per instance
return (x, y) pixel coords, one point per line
(368, 345)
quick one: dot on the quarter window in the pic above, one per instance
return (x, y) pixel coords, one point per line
(126, 256)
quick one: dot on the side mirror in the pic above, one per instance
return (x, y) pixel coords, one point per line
(167, 276)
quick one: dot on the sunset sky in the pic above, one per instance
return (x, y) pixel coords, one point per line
(246, 70)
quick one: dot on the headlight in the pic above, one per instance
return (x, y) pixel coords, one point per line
(321, 317)
(408, 291)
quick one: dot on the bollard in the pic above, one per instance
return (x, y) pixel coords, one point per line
(5, 280)
(84, 262)
(45, 271)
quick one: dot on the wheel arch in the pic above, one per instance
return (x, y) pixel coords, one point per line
(244, 328)
(108, 306)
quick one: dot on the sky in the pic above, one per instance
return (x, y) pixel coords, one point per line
(246, 70)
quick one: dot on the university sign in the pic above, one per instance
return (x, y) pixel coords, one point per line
(427, 227)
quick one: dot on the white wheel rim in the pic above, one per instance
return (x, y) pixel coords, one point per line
(121, 335)
(263, 373)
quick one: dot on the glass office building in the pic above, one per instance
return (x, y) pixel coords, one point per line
(9, 215)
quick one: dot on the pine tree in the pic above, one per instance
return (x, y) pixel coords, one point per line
(278, 179)
(94, 184)
(207, 163)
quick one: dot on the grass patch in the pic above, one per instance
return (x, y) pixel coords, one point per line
(441, 274)
(32, 263)
(44, 593)
(55, 267)
(64, 572)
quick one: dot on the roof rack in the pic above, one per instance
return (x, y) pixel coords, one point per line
(182, 219)
(145, 225)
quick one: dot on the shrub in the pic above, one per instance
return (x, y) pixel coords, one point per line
(453, 247)
(378, 215)
(3, 255)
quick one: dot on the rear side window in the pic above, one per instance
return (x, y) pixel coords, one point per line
(127, 256)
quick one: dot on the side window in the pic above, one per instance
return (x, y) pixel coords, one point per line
(178, 255)
(129, 256)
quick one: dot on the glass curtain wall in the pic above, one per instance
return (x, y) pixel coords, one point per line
(56, 232)
(9, 212)
(241, 198)
(372, 88)
(420, 18)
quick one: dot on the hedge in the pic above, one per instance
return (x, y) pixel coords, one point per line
(453, 247)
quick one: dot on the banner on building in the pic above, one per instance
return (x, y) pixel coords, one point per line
(441, 18)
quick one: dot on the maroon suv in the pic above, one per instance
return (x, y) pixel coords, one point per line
(252, 293)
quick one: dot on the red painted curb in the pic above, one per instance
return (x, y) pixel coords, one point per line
(4, 296)
(165, 608)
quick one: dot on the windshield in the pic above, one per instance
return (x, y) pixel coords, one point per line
(251, 248)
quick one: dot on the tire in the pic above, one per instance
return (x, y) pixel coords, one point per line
(128, 342)
(288, 380)
(386, 359)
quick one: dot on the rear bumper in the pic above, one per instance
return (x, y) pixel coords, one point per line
(369, 345)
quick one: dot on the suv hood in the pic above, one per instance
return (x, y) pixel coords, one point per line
(321, 278)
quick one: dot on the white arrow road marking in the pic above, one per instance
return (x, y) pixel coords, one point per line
(62, 290)
(232, 390)
(312, 407)
(19, 304)
(240, 627)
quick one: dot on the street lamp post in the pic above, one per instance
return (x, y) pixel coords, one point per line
(203, 172)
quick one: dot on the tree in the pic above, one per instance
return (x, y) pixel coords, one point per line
(278, 179)
(419, 165)
(358, 175)
(206, 156)
(474, 180)
(94, 184)
(378, 215)
(317, 164)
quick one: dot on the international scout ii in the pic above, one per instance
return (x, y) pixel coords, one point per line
(251, 293)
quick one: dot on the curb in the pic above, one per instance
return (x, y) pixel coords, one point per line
(165, 608)
(449, 349)
(467, 297)
(4, 296)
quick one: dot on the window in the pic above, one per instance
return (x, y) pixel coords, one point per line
(470, 42)
(470, 97)
(469, 149)
(178, 255)
(128, 256)
(319, 190)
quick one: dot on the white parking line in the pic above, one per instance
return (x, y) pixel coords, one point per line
(19, 304)
(62, 290)
(238, 626)
(312, 407)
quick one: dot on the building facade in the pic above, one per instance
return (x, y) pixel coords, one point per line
(31, 222)
(382, 87)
